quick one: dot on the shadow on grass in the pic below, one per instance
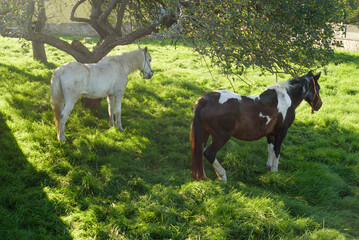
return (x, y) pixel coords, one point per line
(309, 187)
(26, 212)
(26, 92)
(343, 57)
(106, 164)
(318, 173)
(33, 77)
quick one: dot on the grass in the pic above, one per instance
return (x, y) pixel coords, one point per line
(136, 184)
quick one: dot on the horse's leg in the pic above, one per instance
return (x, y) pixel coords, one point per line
(279, 137)
(210, 154)
(205, 139)
(69, 105)
(274, 146)
(271, 154)
(111, 109)
(118, 104)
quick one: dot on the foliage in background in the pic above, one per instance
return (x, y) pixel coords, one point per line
(18, 17)
(352, 12)
(136, 184)
(116, 22)
(276, 36)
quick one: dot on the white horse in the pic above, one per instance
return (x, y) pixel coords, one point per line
(107, 78)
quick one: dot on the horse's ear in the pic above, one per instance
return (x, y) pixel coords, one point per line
(146, 50)
(316, 77)
(139, 48)
(310, 73)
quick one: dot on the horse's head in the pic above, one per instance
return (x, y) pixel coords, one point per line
(313, 97)
(146, 67)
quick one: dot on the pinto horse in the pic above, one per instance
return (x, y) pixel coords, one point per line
(107, 78)
(223, 114)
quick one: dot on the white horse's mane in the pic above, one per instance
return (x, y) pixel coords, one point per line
(132, 60)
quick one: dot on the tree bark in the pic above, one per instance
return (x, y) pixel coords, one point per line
(38, 50)
(91, 103)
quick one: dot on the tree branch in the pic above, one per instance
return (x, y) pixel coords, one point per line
(76, 50)
(107, 11)
(120, 15)
(76, 19)
(30, 13)
(103, 28)
(8, 32)
(41, 18)
(112, 41)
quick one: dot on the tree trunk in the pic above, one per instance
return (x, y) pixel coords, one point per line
(91, 103)
(38, 50)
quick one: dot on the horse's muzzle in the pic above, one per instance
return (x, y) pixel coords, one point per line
(148, 75)
(318, 105)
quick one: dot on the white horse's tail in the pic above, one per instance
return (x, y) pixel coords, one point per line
(57, 97)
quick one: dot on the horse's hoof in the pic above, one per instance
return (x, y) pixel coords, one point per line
(223, 179)
(61, 138)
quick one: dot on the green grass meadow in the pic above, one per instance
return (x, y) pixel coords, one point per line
(136, 184)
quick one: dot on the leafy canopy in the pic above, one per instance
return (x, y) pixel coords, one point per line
(277, 35)
(289, 36)
(351, 12)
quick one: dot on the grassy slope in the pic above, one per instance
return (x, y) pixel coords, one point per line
(106, 184)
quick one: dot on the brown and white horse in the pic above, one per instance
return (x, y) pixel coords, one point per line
(223, 114)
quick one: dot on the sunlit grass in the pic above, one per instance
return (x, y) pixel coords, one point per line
(136, 184)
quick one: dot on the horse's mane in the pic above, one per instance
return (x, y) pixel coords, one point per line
(290, 84)
(282, 85)
(132, 60)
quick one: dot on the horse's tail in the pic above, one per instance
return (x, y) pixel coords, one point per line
(57, 97)
(197, 141)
